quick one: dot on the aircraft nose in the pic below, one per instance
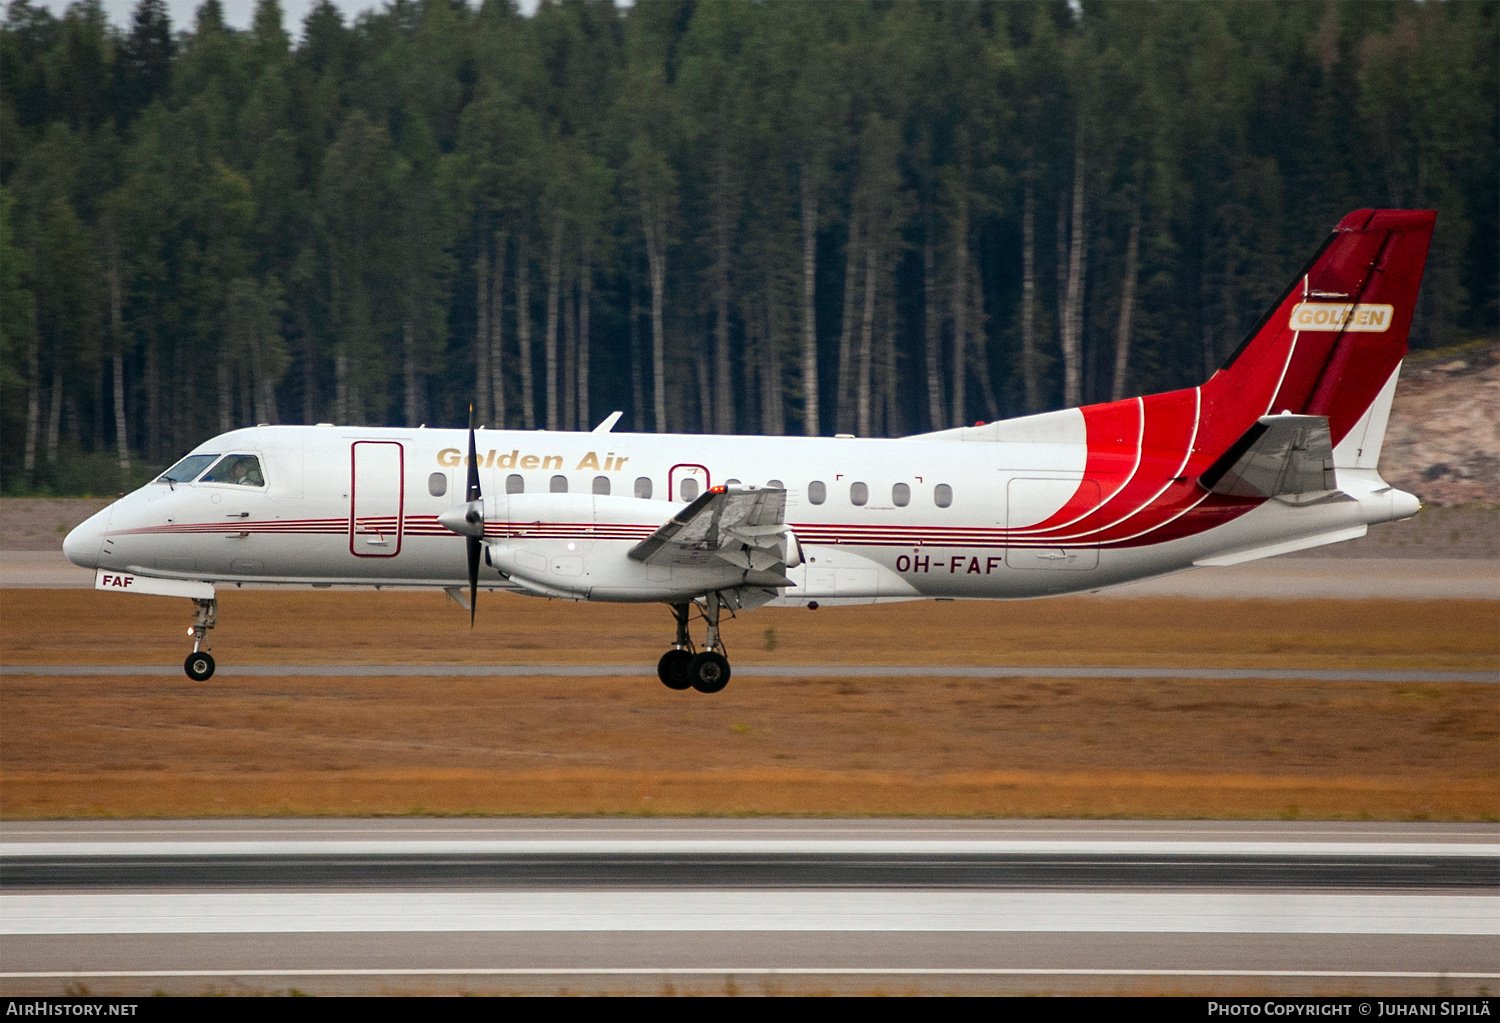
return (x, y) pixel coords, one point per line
(82, 545)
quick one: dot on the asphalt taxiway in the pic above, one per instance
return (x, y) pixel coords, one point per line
(642, 905)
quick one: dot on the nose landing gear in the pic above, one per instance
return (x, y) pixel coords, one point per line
(200, 663)
(199, 666)
(684, 668)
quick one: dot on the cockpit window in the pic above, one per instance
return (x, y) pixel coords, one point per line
(187, 470)
(243, 470)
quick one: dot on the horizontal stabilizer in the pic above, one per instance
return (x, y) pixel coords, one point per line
(1278, 455)
(1302, 543)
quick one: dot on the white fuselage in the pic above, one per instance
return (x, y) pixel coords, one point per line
(941, 517)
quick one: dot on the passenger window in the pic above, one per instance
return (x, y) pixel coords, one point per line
(643, 487)
(187, 470)
(817, 492)
(901, 495)
(689, 489)
(942, 495)
(242, 470)
(601, 485)
(437, 484)
(776, 484)
(858, 493)
(515, 483)
(731, 483)
(559, 485)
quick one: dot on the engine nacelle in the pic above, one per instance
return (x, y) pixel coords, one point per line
(575, 546)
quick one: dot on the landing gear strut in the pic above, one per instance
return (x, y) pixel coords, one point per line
(200, 663)
(681, 667)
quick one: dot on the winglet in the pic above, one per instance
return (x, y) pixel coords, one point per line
(609, 422)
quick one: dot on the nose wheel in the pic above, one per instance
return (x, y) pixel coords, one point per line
(199, 666)
(683, 667)
(200, 663)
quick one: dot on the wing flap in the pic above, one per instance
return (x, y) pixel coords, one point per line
(744, 526)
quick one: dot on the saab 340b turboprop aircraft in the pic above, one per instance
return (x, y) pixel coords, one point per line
(1277, 452)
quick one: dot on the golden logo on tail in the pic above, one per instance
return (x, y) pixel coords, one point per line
(1369, 319)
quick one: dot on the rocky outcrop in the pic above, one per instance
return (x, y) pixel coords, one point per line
(1443, 443)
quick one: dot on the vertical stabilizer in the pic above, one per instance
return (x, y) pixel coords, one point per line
(1360, 448)
(1332, 343)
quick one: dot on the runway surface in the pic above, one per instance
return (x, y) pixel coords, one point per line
(459, 905)
(1410, 675)
(1285, 578)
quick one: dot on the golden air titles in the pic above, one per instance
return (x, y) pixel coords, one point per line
(449, 457)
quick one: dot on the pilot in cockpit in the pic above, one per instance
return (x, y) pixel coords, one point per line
(243, 470)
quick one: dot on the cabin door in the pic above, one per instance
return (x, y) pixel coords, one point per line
(377, 506)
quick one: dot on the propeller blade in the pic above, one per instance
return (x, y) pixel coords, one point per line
(473, 490)
(473, 576)
(473, 542)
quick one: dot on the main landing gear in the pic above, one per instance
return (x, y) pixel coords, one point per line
(683, 667)
(200, 663)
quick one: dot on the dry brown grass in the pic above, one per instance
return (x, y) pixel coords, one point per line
(733, 793)
(402, 627)
(163, 746)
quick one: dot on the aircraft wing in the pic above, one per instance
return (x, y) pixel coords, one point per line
(1278, 455)
(745, 526)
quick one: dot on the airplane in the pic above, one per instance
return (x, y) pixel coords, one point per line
(1276, 452)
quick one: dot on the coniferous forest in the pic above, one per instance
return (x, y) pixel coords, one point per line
(776, 217)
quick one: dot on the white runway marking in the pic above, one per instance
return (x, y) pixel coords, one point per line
(309, 912)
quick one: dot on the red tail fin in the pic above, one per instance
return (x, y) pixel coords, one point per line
(1337, 333)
